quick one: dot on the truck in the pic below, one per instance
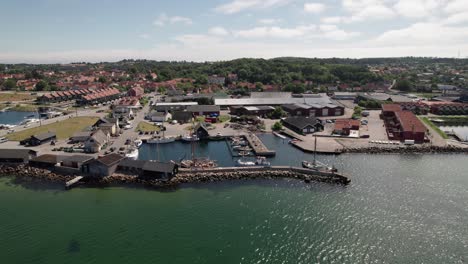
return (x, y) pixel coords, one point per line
(408, 142)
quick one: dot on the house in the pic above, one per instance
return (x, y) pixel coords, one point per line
(344, 126)
(215, 79)
(102, 166)
(201, 131)
(182, 117)
(136, 92)
(109, 128)
(204, 110)
(402, 124)
(80, 137)
(156, 116)
(108, 120)
(261, 111)
(130, 166)
(96, 141)
(170, 107)
(39, 139)
(299, 110)
(75, 161)
(159, 170)
(313, 110)
(16, 155)
(344, 96)
(303, 125)
(122, 112)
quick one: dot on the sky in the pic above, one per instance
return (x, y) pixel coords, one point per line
(63, 31)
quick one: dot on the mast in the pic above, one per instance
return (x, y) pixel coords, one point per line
(315, 150)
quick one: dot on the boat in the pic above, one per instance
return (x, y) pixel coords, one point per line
(316, 165)
(244, 149)
(190, 138)
(198, 163)
(132, 154)
(160, 140)
(243, 163)
(279, 135)
(262, 161)
(138, 143)
(30, 116)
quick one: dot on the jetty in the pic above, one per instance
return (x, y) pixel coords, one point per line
(72, 182)
(258, 147)
(327, 146)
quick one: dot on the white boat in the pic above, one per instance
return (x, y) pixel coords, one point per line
(244, 163)
(138, 143)
(279, 135)
(262, 161)
(160, 140)
(132, 154)
(190, 138)
(316, 165)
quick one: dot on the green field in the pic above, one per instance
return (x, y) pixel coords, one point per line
(64, 129)
(13, 97)
(146, 127)
(436, 128)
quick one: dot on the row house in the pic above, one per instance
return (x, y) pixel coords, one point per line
(313, 110)
(402, 124)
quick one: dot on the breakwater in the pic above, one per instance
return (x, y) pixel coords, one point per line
(183, 177)
(408, 150)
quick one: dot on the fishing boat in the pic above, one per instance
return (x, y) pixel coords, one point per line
(244, 163)
(317, 165)
(190, 138)
(138, 143)
(132, 154)
(160, 140)
(260, 161)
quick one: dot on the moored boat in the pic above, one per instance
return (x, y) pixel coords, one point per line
(132, 154)
(190, 138)
(138, 143)
(160, 140)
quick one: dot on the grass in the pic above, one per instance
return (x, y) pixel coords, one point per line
(146, 127)
(436, 128)
(224, 118)
(13, 97)
(24, 108)
(64, 129)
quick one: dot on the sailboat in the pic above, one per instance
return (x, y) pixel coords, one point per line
(197, 163)
(317, 165)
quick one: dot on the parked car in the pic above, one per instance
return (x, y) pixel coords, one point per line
(128, 141)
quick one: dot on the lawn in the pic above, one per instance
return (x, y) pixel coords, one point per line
(24, 108)
(13, 97)
(436, 128)
(64, 129)
(146, 127)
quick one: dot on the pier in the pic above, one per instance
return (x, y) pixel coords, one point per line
(72, 182)
(258, 147)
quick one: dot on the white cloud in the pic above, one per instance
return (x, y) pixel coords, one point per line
(237, 6)
(218, 31)
(164, 19)
(425, 34)
(456, 6)
(144, 36)
(363, 10)
(456, 18)
(418, 8)
(269, 21)
(332, 20)
(315, 8)
(300, 33)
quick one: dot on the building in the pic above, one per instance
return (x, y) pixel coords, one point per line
(447, 108)
(39, 139)
(261, 111)
(201, 131)
(16, 155)
(344, 126)
(109, 128)
(96, 141)
(129, 103)
(155, 116)
(136, 91)
(148, 169)
(46, 161)
(102, 166)
(170, 107)
(182, 117)
(215, 79)
(204, 110)
(313, 110)
(303, 125)
(80, 137)
(402, 124)
(344, 96)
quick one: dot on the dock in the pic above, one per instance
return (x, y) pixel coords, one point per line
(258, 147)
(73, 181)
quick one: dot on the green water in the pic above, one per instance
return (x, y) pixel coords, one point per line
(398, 209)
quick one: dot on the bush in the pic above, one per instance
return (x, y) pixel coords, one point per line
(277, 126)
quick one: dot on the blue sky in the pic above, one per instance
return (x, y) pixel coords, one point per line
(44, 31)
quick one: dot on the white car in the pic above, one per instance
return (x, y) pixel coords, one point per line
(128, 127)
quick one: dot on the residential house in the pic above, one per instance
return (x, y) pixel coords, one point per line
(39, 139)
(201, 131)
(109, 128)
(137, 92)
(303, 125)
(155, 116)
(80, 137)
(95, 143)
(102, 166)
(344, 126)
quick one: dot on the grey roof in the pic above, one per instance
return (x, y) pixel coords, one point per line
(157, 166)
(156, 113)
(203, 108)
(181, 115)
(16, 153)
(270, 95)
(99, 137)
(446, 87)
(110, 159)
(272, 101)
(301, 122)
(107, 125)
(78, 158)
(48, 158)
(44, 136)
(82, 134)
(130, 163)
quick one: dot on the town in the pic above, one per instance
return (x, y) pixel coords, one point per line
(89, 120)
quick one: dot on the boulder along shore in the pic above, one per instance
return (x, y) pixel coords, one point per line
(408, 150)
(28, 173)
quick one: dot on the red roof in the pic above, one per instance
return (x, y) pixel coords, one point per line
(340, 124)
(391, 108)
(409, 122)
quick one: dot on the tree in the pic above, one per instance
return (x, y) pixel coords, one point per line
(403, 85)
(41, 86)
(9, 84)
(259, 86)
(278, 113)
(102, 79)
(276, 126)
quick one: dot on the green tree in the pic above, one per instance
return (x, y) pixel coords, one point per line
(403, 85)
(277, 126)
(42, 86)
(278, 113)
(9, 84)
(102, 79)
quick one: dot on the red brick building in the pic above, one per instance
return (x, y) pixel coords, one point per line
(136, 91)
(344, 126)
(403, 125)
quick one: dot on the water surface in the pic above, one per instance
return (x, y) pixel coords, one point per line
(14, 117)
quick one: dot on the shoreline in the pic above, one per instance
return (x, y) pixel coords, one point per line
(407, 150)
